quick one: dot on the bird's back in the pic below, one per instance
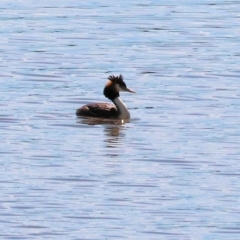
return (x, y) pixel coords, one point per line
(99, 110)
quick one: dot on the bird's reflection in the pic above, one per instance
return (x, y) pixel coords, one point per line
(113, 130)
(99, 121)
(114, 140)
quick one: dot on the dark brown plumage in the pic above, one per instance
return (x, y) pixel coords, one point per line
(105, 110)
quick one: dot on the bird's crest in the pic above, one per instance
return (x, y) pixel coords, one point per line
(117, 79)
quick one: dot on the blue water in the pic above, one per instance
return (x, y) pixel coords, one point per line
(172, 172)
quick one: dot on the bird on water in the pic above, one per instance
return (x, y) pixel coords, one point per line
(117, 110)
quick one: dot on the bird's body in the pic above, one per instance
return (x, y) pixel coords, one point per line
(106, 110)
(117, 110)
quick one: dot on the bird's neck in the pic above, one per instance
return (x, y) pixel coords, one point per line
(124, 113)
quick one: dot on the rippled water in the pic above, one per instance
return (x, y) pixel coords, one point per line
(172, 172)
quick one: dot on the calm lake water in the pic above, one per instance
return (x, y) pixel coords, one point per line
(172, 172)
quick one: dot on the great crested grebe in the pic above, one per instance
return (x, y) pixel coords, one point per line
(118, 110)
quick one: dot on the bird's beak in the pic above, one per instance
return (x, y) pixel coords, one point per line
(128, 90)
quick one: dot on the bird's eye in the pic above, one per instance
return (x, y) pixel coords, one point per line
(122, 87)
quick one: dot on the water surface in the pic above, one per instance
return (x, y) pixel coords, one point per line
(172, 172)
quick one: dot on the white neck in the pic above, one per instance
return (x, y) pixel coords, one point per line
(124, 113)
